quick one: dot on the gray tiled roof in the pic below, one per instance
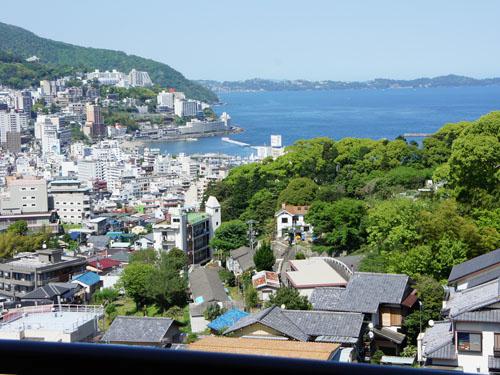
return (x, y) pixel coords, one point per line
(473, 298)
(137, 329)
(306, 325)
(326, 298)
(438, 341)
(326, 323)
(244, 256)
(99, 241)
(474, 265)
(205, 282)
(492, 316)
(389, 334)
(51, 290)
(364, 293)
(484, 278)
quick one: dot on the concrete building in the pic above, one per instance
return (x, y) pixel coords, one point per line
(94, 126)
(70, 200)
(11, 124)
(28, 271)
(56, 323)
(189, 231)
(139, 79)
(198, 126)
(24, 195)
(185, 108)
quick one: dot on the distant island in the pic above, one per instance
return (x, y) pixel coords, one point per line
(258, 84)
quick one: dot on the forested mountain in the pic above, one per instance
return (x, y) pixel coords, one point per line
(258, 84)
(23, 43)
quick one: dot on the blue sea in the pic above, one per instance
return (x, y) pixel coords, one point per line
(342, 113)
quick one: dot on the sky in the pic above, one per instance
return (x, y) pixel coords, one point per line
(281, 39)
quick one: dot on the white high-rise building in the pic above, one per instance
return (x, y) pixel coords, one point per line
(11, 124)
(184, 108)
(212, 207)
(165, 99)
(139, 79)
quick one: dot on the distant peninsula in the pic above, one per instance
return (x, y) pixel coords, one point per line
(258, 84)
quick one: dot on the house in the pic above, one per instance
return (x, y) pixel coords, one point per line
(56, 292)
(469, 337)
(103, 266)
(145, 242)
(26, 271)
(206, 289)
(97, 225)
(301, 325)
(226, 320)
(291, 220)
(144, 331)
(265, 347)
(266, 283)
(307, 274)
(383, 299)
(90, 282)
(476, 271)
(54, 322)
(240, 260)
(98, 243)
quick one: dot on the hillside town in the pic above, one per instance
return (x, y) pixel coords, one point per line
(106, 240)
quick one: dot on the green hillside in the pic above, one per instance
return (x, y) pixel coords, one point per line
(23, 43)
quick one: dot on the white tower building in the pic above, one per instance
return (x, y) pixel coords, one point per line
(212, 207)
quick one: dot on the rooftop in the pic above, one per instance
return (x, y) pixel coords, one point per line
(137, 329)
(195, 217)
(474, 265)
(313, 272)
(274, 348)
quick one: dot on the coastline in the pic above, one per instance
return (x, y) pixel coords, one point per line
(139, 142)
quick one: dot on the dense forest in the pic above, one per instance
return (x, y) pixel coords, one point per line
(24, 43)
(364, 199)
(15, 72)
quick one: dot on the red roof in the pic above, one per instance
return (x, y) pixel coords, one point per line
(104, 264)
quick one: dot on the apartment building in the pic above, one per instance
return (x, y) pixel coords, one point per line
(28, 271)
(70, 200)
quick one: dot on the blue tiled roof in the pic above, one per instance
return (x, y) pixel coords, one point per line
(114, 235)
(227, 319)
(88, 278)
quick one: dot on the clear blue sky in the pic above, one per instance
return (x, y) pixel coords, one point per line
(312, 39)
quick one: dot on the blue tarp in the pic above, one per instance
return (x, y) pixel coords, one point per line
(114, 235)
(74, 235)
(227, 319)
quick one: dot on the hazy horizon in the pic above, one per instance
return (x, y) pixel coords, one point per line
(327, 40)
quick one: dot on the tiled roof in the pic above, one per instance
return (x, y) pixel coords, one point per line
(50, 291)
(474, 265)
(137, 329)
(390, 335)
(244, 256)
(473, 298)
(305, 325)
(484, 278)
(99, 241)
(104, 263)
(438, 341)
(205, 282)
(492, 316)
(364, 293)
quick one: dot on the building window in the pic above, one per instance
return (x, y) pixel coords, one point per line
(284, 220)
(496, 347)
(469, 342)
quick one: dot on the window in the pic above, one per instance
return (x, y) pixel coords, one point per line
(469, 342)
(284, 220)
(496, 346)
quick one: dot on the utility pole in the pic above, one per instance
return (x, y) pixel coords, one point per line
(251, 233)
